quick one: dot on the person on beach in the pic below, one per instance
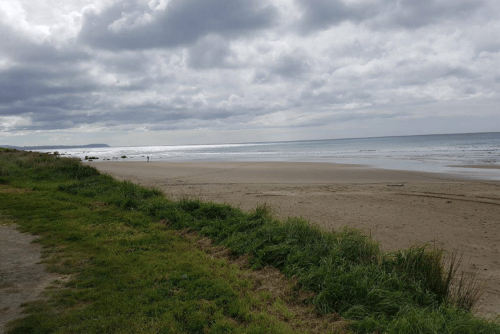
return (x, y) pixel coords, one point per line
(148, 159)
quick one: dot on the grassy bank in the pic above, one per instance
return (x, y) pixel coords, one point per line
(132, 273)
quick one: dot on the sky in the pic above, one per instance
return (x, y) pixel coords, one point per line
(169, 72)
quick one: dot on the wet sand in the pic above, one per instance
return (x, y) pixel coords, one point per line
(398, 208)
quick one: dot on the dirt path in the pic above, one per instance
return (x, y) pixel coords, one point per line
(22, 277)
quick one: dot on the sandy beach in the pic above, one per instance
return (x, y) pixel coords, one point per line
(398, 208)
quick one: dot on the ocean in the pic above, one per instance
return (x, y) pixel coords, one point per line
(428, 153)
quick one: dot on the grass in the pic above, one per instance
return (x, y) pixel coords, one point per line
(129, 268)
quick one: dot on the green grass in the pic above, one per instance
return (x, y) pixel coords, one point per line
(129, 268)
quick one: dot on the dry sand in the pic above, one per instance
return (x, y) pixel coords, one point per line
(397, 208)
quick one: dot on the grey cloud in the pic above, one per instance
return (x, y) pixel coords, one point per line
(19, 47)
(289, 66)
(67, 111)
(80, 102)
(125, 63)
(427, 73)
(332, 97)
(415, 14)
(348, 116)
(317, 83)
(191, 65)
(211, 52)
(51, 118)
(305, 120)
(133, 25)
(39, 69)
(321, 14)
(48, 54)
(26, 82)
(410, 14)
(261, 77)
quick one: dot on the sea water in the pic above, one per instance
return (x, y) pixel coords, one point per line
(428, 153)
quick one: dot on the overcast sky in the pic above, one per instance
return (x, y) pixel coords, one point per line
(163, 72)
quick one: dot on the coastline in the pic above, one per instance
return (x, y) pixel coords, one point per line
(471, 156)
(476, 166)
(398, 208)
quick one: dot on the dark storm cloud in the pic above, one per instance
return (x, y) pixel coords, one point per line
(134, 25)
(410, 14)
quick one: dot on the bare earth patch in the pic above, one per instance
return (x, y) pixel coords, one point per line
(22, 276)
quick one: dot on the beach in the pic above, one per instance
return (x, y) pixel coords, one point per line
(397, 208)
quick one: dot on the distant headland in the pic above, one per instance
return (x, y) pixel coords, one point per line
(54, 147)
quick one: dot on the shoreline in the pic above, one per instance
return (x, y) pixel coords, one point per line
(264, 171)
(476, 166)
(398, 208)
(474, 172)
